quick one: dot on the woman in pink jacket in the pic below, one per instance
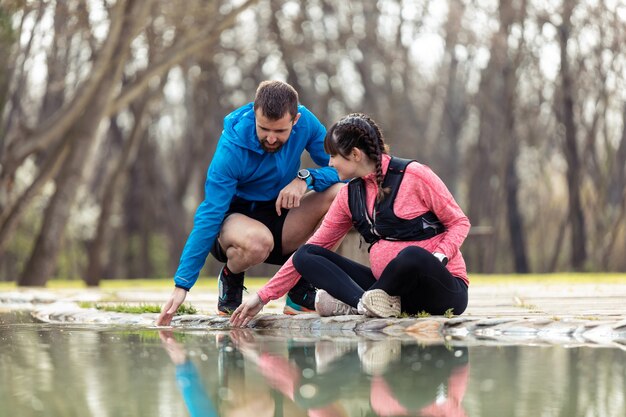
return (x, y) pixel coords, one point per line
(406, 214)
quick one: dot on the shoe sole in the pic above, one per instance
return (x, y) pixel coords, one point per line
(224, 313)
(381, 304)
(290, 311)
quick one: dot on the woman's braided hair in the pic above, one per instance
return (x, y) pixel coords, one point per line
(358, 130)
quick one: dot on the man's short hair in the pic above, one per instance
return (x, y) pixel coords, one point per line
(275, 98)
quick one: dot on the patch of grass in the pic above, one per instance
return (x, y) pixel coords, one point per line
(423, 314)
(136, 309)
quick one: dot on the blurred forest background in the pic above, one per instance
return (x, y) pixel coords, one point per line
(110, 112)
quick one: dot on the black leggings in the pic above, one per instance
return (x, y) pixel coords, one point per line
(420, 280)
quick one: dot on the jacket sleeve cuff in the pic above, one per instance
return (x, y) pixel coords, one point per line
(263, 297)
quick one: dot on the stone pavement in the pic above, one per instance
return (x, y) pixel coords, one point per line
(526, 313)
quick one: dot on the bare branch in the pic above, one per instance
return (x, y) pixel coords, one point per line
(53, 128)
(176, 54)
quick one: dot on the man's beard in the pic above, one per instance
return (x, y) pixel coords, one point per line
(271, 148)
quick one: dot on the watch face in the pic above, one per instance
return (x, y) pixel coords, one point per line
(304, 174)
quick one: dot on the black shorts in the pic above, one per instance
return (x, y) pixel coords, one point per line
(264, 212)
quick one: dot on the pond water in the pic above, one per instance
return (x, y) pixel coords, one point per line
(69, 370)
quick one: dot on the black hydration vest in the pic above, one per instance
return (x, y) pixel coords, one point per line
(385, 224)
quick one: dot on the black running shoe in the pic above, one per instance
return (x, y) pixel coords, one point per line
(230, 291)
(300, 299)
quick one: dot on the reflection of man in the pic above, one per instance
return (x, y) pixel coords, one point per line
(189, 382)
(256, 206)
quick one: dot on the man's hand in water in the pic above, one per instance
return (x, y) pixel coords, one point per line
(169, 308)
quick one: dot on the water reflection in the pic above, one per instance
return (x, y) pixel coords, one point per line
(52, 370)
(325, 378)
(188, 378)
(401, 378)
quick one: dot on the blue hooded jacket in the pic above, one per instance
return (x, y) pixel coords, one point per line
(242, 168)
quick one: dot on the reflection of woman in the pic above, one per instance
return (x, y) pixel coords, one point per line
(189, 382)
(408, 216)
(319, 393)
(424, 382)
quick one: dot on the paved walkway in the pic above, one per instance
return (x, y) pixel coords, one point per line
(583, 314)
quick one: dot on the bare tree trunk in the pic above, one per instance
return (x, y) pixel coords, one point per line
(144, 179)
(609, 250)
(484, 160)
(616, 196)
(8, 38)
(617, 181)
(456, 106)
(9, 222)
(515, 223)
(42, 262)
(14, 119)
(558, 245)
(97, 252)
(57, 64)
(40, 267)
(494, 202)
(574, 169)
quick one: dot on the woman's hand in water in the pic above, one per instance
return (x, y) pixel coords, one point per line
(246, 311)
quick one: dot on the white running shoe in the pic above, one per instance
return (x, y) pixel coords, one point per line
(380, 304)
(326, 305)
(360, 308)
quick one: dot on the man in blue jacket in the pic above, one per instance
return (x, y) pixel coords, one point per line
(256, 207)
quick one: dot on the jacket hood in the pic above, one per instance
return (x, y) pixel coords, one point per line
(240, 129)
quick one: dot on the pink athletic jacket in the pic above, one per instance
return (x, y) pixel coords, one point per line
(420, 191)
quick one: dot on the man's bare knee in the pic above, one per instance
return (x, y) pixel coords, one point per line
(253, 249)
(258, 248)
